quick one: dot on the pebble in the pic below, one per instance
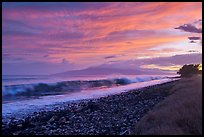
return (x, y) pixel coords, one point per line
(111, 115)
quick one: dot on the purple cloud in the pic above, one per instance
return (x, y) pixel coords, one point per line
(162, 61)
(45, 56)
(194, 38)
(36, 68)
(193, 51)
(177, 59)
(189, 28)
(192, 41)
(110, 57)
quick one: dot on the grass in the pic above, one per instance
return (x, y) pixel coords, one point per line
(178, 114)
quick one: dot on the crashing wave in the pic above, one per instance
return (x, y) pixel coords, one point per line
(70, 86)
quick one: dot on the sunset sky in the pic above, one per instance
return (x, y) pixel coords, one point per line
(46, 38)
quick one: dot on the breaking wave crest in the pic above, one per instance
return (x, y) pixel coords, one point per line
(70, 86)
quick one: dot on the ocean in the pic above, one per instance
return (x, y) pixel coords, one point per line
(27, 93)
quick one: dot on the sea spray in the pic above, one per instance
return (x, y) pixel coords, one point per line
(70, 86)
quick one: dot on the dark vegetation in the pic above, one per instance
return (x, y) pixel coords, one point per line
(178, 114)
(181, 112)
(189, 70)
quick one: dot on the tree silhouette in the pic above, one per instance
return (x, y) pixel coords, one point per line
(189, 70)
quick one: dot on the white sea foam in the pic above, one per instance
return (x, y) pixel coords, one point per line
(27, 106)
(22, 85)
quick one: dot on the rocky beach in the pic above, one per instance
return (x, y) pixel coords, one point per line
(110, 115)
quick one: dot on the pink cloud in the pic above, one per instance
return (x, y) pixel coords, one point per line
(83, 32)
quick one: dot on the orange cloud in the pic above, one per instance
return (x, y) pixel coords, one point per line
(169, 68)
(89, 32)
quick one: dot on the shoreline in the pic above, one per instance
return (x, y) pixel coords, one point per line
(26, 107)
(113, 114)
